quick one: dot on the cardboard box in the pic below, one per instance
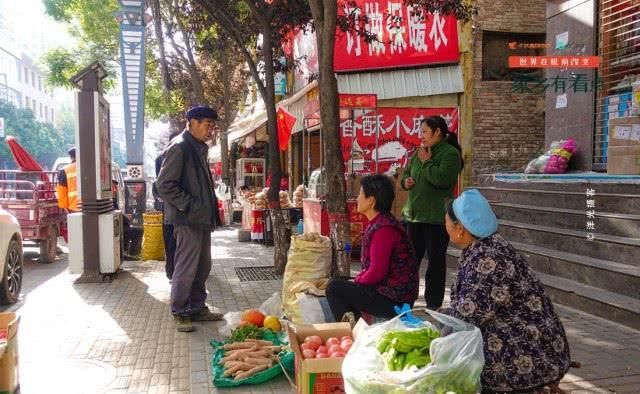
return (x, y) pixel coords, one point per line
(623, 150)
(317, 376)
(624, 132)
(623, 160)
(9, 361)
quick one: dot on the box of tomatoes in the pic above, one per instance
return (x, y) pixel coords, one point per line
(319, 351)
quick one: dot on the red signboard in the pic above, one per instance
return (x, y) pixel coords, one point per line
(554, 61)
(398, 131)
(358, 101)
(406, 38)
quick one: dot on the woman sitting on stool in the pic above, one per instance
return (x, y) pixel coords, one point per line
(389, 275)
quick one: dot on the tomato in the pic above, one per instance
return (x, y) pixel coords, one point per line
(314, 338)
(346, 338)
(308, 346)
(346, 345)
(336, 354)
(308, 353)
(334, 348)
(322, 349)
(322, 355)
(332, 341)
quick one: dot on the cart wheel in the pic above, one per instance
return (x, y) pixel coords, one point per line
(48, 247)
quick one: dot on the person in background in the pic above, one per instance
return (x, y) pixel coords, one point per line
(167, 229)
(431, 177)
(525, 346)
(389, 275)
(190, 205)
(67, 187)
(131, 235)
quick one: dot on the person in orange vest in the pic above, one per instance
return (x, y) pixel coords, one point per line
(67, 188)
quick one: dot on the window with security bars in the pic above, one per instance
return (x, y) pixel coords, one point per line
(619, 50)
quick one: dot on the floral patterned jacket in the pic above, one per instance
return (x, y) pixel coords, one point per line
(525, 346)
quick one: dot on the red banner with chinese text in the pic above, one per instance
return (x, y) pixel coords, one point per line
(358, 100)
(398, 137)
(405, 38)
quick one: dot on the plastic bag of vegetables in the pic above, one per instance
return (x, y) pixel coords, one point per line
(394, 358)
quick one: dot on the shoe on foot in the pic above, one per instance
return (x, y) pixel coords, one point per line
(183, 324)
(206, 315)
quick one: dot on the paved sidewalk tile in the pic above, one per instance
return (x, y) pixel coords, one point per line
(120, 337)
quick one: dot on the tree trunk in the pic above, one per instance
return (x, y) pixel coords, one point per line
(226, 80)
(281, 232)
(164, 66)
(324, 15)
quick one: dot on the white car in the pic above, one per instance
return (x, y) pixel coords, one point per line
(11, 260)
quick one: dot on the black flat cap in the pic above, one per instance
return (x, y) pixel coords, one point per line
(202, 112)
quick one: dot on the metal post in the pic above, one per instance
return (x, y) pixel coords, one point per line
(377, 136)
(133, 20)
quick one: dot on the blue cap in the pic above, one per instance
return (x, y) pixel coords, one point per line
(475, 213)
(202, 112)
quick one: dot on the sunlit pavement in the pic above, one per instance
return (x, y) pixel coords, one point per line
(120, 337)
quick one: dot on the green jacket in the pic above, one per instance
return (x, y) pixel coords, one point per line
(435, 181)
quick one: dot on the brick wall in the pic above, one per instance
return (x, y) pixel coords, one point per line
(508, 127)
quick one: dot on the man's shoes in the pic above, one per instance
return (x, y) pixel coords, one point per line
(206, 315)
(183, 324)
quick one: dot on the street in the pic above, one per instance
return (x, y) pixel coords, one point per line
(120, 337)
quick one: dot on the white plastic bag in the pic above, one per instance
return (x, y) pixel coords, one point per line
(314, 309)
(457, 361)
(232, 320)
(272, 306)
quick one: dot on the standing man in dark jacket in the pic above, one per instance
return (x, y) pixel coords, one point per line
(190, 205)
(167, 229)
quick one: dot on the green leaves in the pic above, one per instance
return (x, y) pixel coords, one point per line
(41, 140)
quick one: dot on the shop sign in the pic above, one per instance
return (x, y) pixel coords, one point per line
(358, 101)
(305, 54)
(398, 134)
(576, 83)
(405, 37)
(554, 61)
(253, 168)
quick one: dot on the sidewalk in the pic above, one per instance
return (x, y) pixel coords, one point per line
(120, 337)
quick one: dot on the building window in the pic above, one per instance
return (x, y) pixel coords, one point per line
(33, 79)
(41, 111)
(40, 84)
(498, 46)
(26, 101)
(52, 115)
(26, 75)
(46, 113)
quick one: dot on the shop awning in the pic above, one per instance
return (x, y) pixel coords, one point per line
(256, 116)
(404, 83)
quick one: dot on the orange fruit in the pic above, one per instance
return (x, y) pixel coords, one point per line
(254, 317)
(272, 323)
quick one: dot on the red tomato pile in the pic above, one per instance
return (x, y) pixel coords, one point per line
(332, 348)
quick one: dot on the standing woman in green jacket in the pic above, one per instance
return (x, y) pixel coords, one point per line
(431, 177)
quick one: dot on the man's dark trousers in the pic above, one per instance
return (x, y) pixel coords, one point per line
(169, 248)
(192, 267)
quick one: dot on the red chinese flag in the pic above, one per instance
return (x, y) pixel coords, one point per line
(285, 124)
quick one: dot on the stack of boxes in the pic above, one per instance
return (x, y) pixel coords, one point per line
(623, 148)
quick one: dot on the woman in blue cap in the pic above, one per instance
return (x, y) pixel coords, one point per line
(525, 346)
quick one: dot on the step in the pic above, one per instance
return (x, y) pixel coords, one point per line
(622, 225)
(605, 247)
(606, 304)
(601, 183)
(608, 275)
(605, 202)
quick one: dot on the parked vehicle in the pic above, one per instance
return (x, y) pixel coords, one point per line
(30, 197)
(11, 259)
